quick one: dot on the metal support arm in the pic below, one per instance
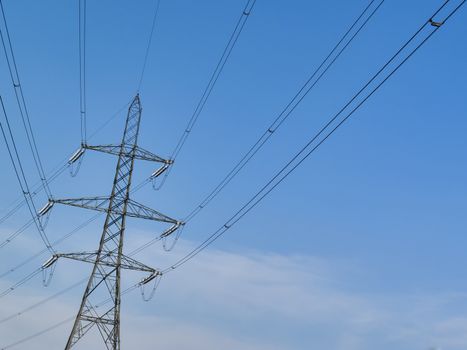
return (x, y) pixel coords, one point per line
(127, 150)
(108, 259)
(134, 209)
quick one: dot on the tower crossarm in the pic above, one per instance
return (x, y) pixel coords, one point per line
(94, 203)
(94, 319)
(127, 150)
(134, 209)
(108, 259)
(138, 210)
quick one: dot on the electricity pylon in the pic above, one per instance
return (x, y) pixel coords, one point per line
(109, 259)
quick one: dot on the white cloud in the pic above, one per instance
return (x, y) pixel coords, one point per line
(225, 300)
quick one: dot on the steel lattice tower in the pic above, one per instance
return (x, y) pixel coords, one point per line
(109, 259)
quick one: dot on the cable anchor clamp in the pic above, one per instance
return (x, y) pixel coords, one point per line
(435, 24)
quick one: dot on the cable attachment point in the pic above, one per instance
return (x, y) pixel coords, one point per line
(43, 214)
(48, 269)
(45, 209)
(169, 246)
(156, 185)
(77, 155)
(52, 260)
(435, 24)
(74, 163)
(156, 277)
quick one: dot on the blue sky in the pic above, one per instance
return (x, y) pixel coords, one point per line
(363, 246)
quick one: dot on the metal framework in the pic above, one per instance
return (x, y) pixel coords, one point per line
(108, 259)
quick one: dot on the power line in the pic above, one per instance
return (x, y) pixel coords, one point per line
(17, 85)
(58, 324)
(229, 222)
(54, 244)
(148, 47)
(16, 161)
(108, 260)
(19, 171)
(233, 38)
(215, 75)
(283, 114)
(58, 241)
(10, 238)
(310, 148)
(21, 101)
(61, 292)
(15, 234)
(21, 282)
(217, 190)
(42, 302)
(302, 155)
(58, 170)
(281, 175)
(110, 119)
(35, 335)
(311, 82)
(82, 67)
(109, 257)
(20, 202)
(240, 24)
(286, 112)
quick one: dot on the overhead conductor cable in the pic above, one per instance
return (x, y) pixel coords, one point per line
(306, 151)
(212, 82)
(333, 124)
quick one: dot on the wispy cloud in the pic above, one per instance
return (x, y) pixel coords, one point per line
(256, 300)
